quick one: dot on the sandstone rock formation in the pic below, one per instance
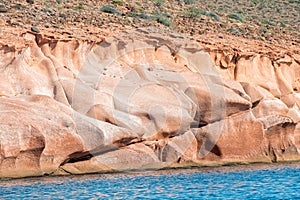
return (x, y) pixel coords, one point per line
(142, 99)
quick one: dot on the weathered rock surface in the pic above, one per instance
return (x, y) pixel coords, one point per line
(142, 100)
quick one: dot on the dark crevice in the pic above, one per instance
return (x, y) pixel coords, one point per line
(235, 59)
(106, 120)
(286, 124)
(102, 149)
(298, 62)
(222, 67)
(121, 45)
(52, 45)
(238, 92)
(65, 170)
(179, 159)
(127, 141)
(255, 103)
(210, 146)
(159, 152)
(166, 134)
(216, 150)
(164, 154)
(68, 98)
(272, 154)
(37, 151)
(7, 49)
(235, 72)
(205, 142)
(198, 124)
(87, 155)
(104, 44)
(7, 65)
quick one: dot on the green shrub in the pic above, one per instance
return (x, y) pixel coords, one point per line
(189, 1)
(110, 9)
(138, 9)
(264, 30)
(282, 25)
(262, 4)
(213, 15)
(234, 31)
(59, 7)
(236, 17)
(17, 6)
(267, 21)
(119, 2)
(193, 12)
(79, 7)
(294, 1)
(144, 16)
(163, 20)
(140, 15)
(158, 2)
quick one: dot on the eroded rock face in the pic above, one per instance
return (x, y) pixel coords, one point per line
(142, 100)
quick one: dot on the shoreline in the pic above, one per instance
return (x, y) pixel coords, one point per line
(230, 167)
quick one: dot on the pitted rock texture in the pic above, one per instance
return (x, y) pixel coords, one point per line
(142, 99)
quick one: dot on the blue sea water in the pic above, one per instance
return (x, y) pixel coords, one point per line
(242, 182)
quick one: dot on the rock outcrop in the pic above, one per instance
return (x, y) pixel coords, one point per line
(142, 99)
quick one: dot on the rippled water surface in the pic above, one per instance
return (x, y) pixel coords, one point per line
(247, 182)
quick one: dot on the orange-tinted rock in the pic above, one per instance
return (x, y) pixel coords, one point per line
(290, 99)
(268, 107)
(136, 156)
(260, 71)
(273, 120)
(294, 114)
(35, 141)
(143, 99)
(256, 93)
(238, 138)
(282, 142)
(179, 149)
(30, 127)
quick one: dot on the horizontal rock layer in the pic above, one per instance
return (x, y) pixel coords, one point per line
(143, 99)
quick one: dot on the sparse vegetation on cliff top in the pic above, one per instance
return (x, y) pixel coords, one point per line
(266, 20)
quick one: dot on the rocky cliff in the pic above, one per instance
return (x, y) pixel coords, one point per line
(144, 99)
